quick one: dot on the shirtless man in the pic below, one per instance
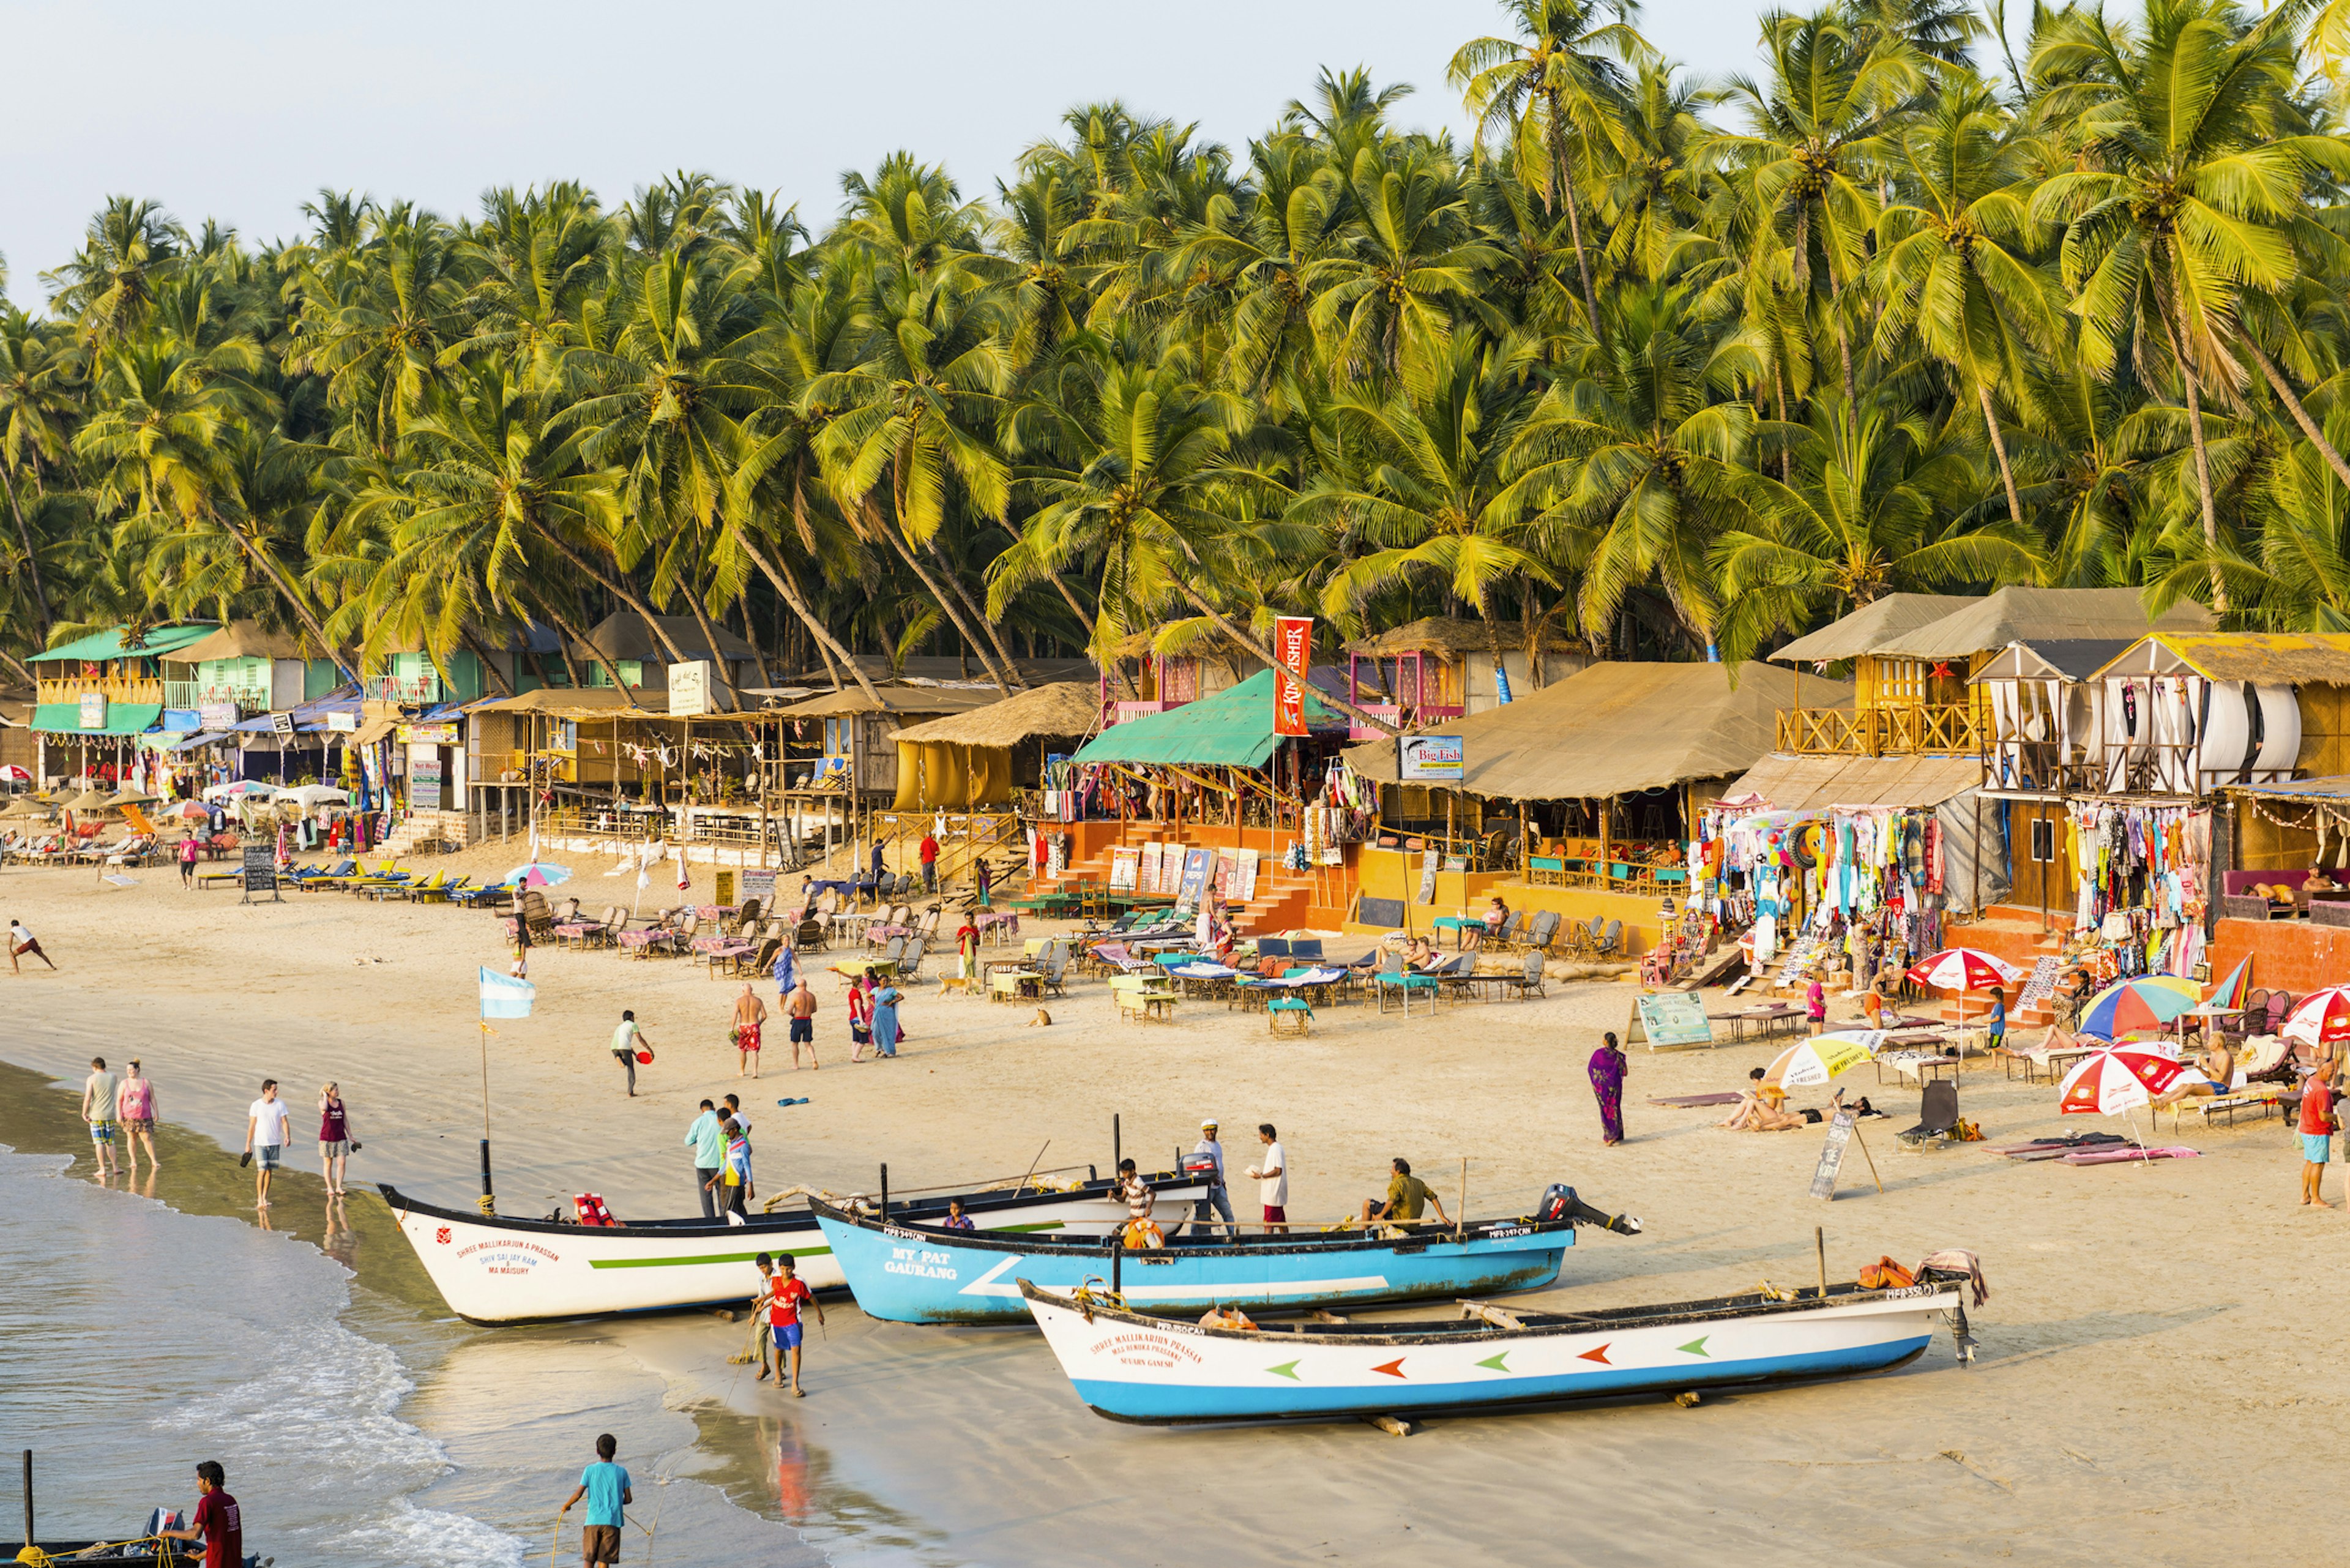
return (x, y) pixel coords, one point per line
(2219, 1068)
(800, 1008)
(749, 1013)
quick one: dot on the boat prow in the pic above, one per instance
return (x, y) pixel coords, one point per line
(1134, 1367)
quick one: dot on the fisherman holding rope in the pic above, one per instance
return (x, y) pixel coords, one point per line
(605, 1485)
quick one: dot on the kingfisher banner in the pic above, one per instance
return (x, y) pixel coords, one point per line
(1293, 647)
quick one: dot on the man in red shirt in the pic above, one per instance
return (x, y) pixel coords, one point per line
(218, 1520)
(2316, 1137)
(785, 1291)
(930, 854)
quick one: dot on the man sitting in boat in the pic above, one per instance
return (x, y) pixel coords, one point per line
(1407, 1197)
(1139, 1201)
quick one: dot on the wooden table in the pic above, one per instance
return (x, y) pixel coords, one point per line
(1769, 1018)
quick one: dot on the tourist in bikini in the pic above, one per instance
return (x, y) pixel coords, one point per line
(800, 1008)
(136, 1100)
(749, 1012)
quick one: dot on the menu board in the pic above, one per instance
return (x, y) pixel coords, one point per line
(261, 871)
(752, 882)
(1823, 1177)
(1125, 869)
(1673, 1018)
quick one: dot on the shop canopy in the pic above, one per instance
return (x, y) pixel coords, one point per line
(1784, 783)
(154, 643)
(121, 718)
(2042, 615)
(2334, 789)
(1065, 708)
(1619, 728)
(1233, 729)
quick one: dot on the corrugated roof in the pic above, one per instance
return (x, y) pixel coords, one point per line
(1064, 708)
(2038, 615)
(1862, 631)
(2269, 658)
(1232, 728)
(1617, 728)
(1789, 782)
(158, 641)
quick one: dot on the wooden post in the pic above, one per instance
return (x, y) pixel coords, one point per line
(1820, 1242)
(1461, 1216)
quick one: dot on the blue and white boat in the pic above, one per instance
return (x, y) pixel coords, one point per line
(1135, 1366)
(913, 1272)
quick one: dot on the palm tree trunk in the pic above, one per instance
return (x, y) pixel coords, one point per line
(277, 580)
(1574, 219)
(617, 588)
(481, 656)
(994, 637)
(32, 559)
(758, 658)
(1998, 447)
(1133, 692)
(2177, 331)
(1242, 638)
(1843, 336)
(2300, 415)
(23, 674)
(789, 593)
(938, 595)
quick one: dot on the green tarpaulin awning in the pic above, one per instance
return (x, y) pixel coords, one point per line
(100, 646)
(121, 718)
(1232, 728)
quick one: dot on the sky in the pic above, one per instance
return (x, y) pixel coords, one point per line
(242, 110)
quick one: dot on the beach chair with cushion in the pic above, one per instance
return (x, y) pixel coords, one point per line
(1529, 983)
(441, 894)
(1505, 936)
(910, 963)
(1608, 940)
(1542, 929)
(758, 959)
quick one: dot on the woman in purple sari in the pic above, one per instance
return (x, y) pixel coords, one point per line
(1608, 1068)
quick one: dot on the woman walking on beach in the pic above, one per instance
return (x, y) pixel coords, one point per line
(1608, 1068)
(885, 1019)
(334, 1138)
(135, 1103)
(860, 1014)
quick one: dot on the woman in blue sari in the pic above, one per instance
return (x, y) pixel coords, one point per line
(1607, 1069)
(884, 1019)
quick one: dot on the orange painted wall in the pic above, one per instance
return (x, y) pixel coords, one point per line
(2288, 955)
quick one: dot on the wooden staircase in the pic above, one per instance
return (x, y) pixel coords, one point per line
(2015, 935)
(1284, 899)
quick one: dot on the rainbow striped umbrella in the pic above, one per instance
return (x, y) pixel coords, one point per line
(2228, 996)
(2143, 1002)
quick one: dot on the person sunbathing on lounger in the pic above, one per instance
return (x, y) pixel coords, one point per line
(1762, 1108)
(2218, 1066)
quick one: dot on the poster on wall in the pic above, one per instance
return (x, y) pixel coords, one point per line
(1194, 886)
(1244, 883)
(1147, 877)
(1125, 869)
(424, 783)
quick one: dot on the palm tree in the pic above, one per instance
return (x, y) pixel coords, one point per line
(2192, 203)
(38, 397)
(1954, 265)
(130, 247)
(1384, 301)
(1554, 91)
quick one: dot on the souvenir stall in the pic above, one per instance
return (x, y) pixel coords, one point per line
(2142, 888)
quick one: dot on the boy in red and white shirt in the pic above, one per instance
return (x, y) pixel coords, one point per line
(785, 1292)
(2316, 1136)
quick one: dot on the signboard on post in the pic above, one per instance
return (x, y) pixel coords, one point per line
(93, 710)
(1823, 1178)
(1671, 1019)
(1292, 648)
(756, 882)
(282, 723)
(342, 723)
(1430, 759)
(429, 734)
(261, 871)
(688, 687)
(424, 778)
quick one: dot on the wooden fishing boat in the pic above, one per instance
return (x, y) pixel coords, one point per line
(123, 1554)
(908, 1272)
(1134, 1367)
(490, 1269)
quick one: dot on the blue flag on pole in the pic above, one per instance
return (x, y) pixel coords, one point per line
(506, 997)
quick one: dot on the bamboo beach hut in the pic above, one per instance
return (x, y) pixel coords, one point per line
(978, 757)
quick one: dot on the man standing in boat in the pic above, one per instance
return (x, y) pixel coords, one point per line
(218, 1520)
(1211, 1147)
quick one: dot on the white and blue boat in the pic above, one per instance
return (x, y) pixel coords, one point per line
(1136, 1367)
(914, 1273)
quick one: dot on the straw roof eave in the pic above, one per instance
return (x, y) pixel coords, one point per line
(1065, 708)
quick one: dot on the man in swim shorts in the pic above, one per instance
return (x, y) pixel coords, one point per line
(785, 1292)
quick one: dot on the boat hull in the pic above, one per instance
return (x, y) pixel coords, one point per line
(1131, 1368)
(499, 1271)
(919, 1274)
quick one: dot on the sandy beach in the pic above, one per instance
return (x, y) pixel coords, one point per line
(2154, 1371)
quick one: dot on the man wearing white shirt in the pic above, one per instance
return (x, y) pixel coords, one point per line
(1273, 1182)
(266, 1137)
(1217, 1199)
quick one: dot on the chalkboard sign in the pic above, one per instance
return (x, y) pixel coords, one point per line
(1673, 1018)
(1823, 1180)
(1383, 913)
(261, 872)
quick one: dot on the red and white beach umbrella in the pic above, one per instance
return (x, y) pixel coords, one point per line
(2108, 1082)
(1963, 968)
(2321, 1018)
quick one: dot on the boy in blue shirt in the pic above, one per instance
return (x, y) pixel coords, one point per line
(605, 1485)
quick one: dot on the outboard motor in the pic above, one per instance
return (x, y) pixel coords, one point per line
(1559, 1202)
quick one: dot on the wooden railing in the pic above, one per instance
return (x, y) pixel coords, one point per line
(1949, 728)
